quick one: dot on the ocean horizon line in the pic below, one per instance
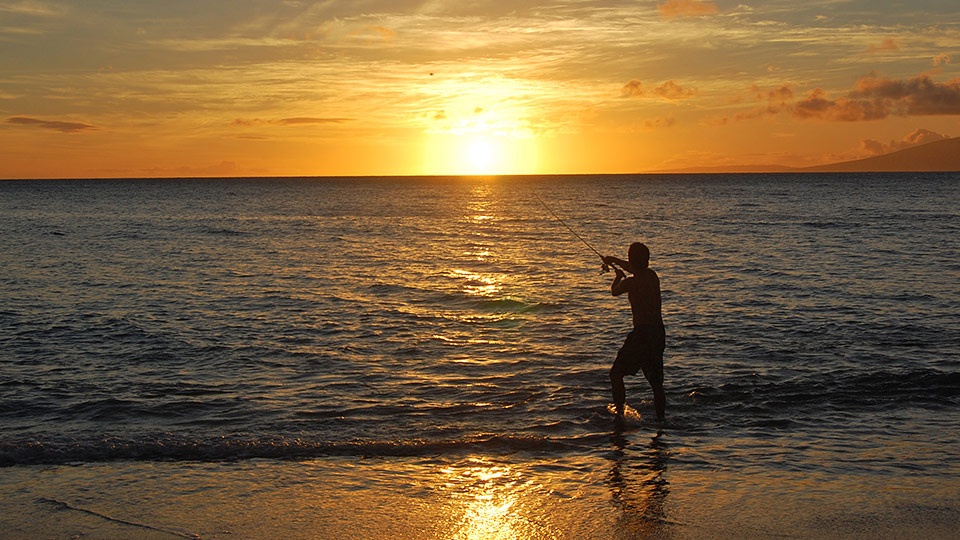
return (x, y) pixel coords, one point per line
(485, 177)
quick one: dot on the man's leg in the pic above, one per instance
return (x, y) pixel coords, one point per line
(653, 372)
(619, 390)
(659, 401)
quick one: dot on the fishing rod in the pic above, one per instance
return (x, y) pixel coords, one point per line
(604, 268)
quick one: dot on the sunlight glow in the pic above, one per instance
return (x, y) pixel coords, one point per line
(480, 154)
(479, 133)
(483, 156)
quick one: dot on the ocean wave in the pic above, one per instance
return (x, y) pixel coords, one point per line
(852, 390)
(172, 447)
(514, 305)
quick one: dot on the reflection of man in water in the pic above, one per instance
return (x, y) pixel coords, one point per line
(643, 348)
(639, 488)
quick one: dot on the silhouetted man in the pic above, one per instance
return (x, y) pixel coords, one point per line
(643, 348)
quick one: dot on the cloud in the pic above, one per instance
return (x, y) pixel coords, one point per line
(915, 138)
(670, 91)
(782, 94)
(29, 7)
(659, 123)
(288, 121)
(875, 98)
(385, 33)
(302, 120)
(224, 168)
(818, 105)
(65, 127)
(686, 8)
(888, 44)
(772, 102)
(941, 59)
(633, 88)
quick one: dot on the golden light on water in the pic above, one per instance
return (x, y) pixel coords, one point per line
(479, 209)
(489, 496)
(478, 284)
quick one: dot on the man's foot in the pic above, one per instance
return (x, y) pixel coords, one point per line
(619, 423)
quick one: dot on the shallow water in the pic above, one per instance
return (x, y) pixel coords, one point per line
(813, 336)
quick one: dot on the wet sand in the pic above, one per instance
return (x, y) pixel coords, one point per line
(465, 498)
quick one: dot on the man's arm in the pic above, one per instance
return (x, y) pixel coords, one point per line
(615, 261)
(619, 285)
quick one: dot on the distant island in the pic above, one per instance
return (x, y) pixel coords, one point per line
(938, 156)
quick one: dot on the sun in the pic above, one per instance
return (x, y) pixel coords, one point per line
(480, 142)
(482, 156)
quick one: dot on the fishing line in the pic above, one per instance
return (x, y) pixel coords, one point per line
(68, 506)
(605, 268)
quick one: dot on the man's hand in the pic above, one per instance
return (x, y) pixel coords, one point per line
(618, 264)
(617, 286)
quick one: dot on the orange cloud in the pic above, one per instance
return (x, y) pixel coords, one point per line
(288, 121)
(917, 137)
(374, 33)
(780, 95)
(874, 98)
(888, 44)
(633, 88)
(918, 96)
(777, 100)
(224, 168)
(818, 105)
(385, 33)
(302, 120)
(686, 8)
(669, 90)
(65, 127)
(941, 59)
(674, 92)
(659, 123)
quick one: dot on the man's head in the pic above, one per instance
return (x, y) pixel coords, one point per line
(639, 256)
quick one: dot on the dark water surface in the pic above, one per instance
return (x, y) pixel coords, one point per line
(813, 323)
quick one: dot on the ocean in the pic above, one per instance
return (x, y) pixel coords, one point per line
(427, 358)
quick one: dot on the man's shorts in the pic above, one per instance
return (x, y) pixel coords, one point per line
(643, 350)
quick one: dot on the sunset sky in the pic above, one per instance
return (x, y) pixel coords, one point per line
(110, 88)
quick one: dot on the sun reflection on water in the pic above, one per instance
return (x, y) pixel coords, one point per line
(480, 213)
(476, 284)
(489, 495)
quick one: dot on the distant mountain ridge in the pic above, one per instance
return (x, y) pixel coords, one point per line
(937, 156)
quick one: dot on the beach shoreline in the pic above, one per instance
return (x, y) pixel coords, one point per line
(611, 496)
